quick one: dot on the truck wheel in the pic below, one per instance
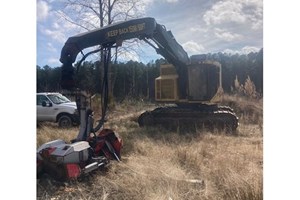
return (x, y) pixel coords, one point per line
(65, 121)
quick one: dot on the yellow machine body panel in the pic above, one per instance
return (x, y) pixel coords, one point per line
(166, 85)
(204, 83)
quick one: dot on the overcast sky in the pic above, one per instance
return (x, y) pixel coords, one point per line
(200, 26)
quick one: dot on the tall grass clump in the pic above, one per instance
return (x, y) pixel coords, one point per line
(248, 89)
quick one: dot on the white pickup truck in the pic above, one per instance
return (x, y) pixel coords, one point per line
(55, 107)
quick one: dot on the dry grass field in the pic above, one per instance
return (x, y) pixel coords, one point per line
(158, 164)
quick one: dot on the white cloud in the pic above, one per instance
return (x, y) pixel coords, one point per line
(256, 25)
(225, 11)
(244, 50)
(232, 22)
(230, 51)
(194, 29)
(51, 48)
(198, 30)
(226, 35)
(57, 35)
(236, 11)
(53, 61)
(55, 25)
(249, 49)
(42, 10)
(151, 2)
(193, 48)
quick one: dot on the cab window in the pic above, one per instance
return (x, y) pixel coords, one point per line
(40, 99)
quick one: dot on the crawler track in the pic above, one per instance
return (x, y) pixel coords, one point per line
(189, 117)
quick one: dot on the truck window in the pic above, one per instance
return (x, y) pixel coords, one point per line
(40, 99)
(58, 98)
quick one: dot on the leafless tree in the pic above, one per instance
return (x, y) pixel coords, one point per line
(91, 14)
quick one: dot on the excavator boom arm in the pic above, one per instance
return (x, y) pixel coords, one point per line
(142, 28)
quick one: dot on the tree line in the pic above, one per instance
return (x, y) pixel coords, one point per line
(136, 79)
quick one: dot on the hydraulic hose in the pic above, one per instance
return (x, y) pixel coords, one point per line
(104, 95)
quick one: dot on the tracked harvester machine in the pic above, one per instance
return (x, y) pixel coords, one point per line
(192, 84)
